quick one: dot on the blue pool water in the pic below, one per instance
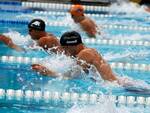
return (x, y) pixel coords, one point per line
(16, 75)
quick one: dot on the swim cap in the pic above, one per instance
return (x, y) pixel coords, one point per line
(37, 24)
(70, 38)
(77, 10)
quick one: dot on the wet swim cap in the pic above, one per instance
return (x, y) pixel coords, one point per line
(77, 10)
(70, 38)
(37, 24)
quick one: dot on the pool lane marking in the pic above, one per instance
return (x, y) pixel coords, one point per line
(114, 65)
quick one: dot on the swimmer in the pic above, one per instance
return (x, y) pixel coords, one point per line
(72, 45)
(88, 25)
(8, 41)
(87, 58)
(36, 29)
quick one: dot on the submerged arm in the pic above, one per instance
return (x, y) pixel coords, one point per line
(43, 70)
(9, 43)
(73, 72)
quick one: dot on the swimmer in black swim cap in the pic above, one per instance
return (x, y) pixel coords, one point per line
(86, 58)
(37, 24)
(70, 39)
(36, 29)
(71, 43)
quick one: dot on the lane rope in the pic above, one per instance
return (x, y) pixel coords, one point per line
(114, 65)
(37, 95)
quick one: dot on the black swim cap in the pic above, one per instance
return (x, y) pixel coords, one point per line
(37, 24)
(70, 38)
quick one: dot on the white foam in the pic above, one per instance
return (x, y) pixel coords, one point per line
(127, 7)
(105, 106)
(17, 38)
(135, 36)
(58, 63)
(126, 55)
(134, 85)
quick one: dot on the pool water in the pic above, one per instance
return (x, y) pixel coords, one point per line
(18, 75)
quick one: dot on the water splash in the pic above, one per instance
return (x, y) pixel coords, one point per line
(137, 85)
(128, 54)
(127, 7)
(135, 36)
(17, 38)
(58, 63)
(106, 105)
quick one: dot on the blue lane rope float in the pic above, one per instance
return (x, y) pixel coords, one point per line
(30, 95)
(14, 3)
(16, 11)
(13, 21)
(115, 65)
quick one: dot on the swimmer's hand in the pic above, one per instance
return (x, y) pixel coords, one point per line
(43, 70)
(8, 41)
(125, 82)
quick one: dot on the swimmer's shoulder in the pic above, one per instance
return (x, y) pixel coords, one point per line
(88, 50)
(49, 41)
(49, 37)
(87, 53)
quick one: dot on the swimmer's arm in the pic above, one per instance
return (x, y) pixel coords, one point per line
(16, 47)
(47, 72)
(105, 71)
(9, 43)
(101, 65)
(97, 27)
(43, 70)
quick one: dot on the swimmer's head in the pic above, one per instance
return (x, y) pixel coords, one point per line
(37, 24)
(77, 10)
(70, 38)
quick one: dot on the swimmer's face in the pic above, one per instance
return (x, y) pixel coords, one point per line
(33, 33)
(77, 18)
(70, 49)
(73, 50)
